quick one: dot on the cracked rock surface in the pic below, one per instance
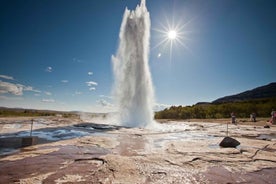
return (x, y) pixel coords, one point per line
(173, 152)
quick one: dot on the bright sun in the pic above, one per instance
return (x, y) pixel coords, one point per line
(172, 34)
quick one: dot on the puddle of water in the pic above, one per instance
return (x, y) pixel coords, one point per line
(98, 127)
(52, 135)
(267, 137)
(214, 146)
(7, 151)
(12, 141)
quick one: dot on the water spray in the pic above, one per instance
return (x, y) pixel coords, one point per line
(133, 85)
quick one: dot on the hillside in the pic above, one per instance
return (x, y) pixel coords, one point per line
(267, 91)
(259, 100)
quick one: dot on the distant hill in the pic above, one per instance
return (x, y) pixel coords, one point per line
(5, 111)
(266, 91)
(259, 100)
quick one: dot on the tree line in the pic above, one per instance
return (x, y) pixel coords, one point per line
(243, 109)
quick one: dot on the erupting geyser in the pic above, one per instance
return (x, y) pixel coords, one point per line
(133, 85)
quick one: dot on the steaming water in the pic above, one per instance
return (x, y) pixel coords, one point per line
(133, 85)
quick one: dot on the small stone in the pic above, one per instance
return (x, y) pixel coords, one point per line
(266, 126)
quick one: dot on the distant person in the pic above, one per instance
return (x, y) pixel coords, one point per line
(233, 117)
(253, 117)
(273, 117)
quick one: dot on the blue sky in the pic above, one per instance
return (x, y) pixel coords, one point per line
(57, 54)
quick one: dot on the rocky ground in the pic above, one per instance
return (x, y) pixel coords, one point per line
(72, 151)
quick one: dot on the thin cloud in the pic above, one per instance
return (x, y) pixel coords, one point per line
(49, 69)
(92, 89)
(91, 83)
(64, 81)
(30, 88)
(105, 96)
(6, 77)
(78, 93)
(77, 60)
(10, 98)
(48, 100)
(90, 73)
(48, 93)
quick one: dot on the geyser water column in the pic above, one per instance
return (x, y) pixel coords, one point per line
(133, 85)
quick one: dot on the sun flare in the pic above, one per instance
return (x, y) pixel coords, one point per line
(172, 34)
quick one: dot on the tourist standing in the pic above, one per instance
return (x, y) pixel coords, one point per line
(233, 117)
(253, 117)
(273, 117)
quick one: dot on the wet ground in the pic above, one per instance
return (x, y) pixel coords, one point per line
(71, 151)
